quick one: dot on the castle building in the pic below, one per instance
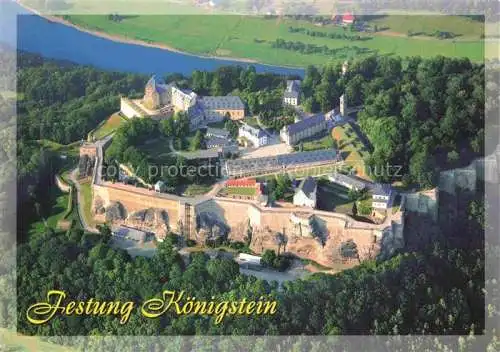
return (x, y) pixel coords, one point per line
(305, 128)
(255, 135)
(292, 93)
(216, 108)
(162, 100)
(305, 195)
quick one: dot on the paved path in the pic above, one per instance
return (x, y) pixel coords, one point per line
(86, 226)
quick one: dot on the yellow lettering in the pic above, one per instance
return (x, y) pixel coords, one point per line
(40, 313)
(126, 311)
(250, 308)
(70, 308)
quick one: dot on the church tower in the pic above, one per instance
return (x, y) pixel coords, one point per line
(345, 67)
(343, 105)
(152, 99)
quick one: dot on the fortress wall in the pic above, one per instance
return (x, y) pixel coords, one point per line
(267, 222)
(136, 201)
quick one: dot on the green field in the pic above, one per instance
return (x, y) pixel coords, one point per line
(459, 25)
(250, 37)
(109, 126)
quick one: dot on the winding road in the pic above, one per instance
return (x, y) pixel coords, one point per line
(86, 226)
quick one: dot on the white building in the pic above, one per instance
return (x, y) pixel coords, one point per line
(348, 181)
(305, 194)
(343, 105)
(292, 93)
(345, 67)
(381, 195)
(161, 100)
(160, 187)
(305, 128)
(255, 135)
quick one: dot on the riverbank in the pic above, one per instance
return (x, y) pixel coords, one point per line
(251, 39)
(127, 40)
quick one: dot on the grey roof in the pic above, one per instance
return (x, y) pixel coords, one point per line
(254, 131)
(292, 89)
(288, 94)
(156, 83)
(381, 189)
(354, 182)
(293, 85)
(226, 102)
(201, 154)
(217, 142)
(217, 132)
(270, 163)
(305, 124)
(308, 185)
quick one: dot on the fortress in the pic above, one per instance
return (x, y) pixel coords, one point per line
(162, 100)
(307, 233)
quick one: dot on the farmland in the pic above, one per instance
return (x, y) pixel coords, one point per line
(252, 37)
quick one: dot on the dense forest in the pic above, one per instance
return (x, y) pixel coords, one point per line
(421, 114)
(432, 286)
(435, 288)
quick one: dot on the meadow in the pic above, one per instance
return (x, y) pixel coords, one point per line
(251, 37)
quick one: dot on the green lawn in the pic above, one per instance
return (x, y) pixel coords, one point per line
(330, 201)
(196, 190)
(109, 126)
(86, 198)
(463, 26)
(72, 149)
(324, 142)
(250, 37)
(242, 191)
(352, 149)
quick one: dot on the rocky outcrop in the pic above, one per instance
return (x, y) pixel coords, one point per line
(116, 212)
(210, 229)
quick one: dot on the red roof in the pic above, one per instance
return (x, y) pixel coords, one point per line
(241, 182)
(348, 17)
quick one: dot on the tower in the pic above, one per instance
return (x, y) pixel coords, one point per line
(343, 105)
(345, 67)
(152, 97)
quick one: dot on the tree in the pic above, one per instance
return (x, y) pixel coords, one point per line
(167, 127)
(232, 127)
(198, 141)
(453, 157)
(268, 258)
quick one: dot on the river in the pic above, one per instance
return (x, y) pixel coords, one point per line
(58, 41)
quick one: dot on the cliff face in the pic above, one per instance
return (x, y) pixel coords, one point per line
(275, 228)
(306, 233)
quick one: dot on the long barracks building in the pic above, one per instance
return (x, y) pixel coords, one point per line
(284, 162)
